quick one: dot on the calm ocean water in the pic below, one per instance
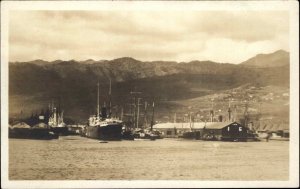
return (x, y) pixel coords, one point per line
(78, 158)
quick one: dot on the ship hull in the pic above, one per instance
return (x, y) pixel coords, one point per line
(61, 131)
(191, 135)
(32, 133)
(74, 130)
(109, 132)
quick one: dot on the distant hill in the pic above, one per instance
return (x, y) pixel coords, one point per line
(275, 59)
(32, 85)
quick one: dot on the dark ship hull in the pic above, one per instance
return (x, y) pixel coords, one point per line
(61, 131)
(19, 133)
(128, 135)
(74, 130)
(191, 135)
(108, 132)
(32, 133)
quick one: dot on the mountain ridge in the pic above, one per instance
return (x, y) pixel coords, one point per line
(275, 59)
(249, 62)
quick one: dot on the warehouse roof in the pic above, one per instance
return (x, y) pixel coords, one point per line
(40, 125)
(195, 125)
(219, 125)
(21, 125)
(271, 126)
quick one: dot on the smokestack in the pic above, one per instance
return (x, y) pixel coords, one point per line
(220, 118)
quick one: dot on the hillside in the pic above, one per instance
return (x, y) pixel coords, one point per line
(277, 59)
(34, 84)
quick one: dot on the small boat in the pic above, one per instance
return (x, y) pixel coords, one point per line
(261, 136)
(103, 142)
(146, 134)
(276, 137)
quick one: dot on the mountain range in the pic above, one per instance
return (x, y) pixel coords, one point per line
(32, 85)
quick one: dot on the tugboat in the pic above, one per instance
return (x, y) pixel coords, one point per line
(103, 126)
(146, 134)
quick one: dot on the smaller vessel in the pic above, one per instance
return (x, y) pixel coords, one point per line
(75, 129)
(39, 131)
(56, 121)
(146, 134)
(263, 136)
(270, 136)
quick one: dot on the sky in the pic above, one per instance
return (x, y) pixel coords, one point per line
(183, 36)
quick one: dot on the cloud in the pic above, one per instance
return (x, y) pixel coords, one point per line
(248, 26)
(146, 35)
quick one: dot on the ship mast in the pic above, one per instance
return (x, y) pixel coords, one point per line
(212, 111)
(109, 93)
(152, 120)
(98, 107)
(145, 115)
(138, 112)
(135, 106)
(175, 117)
(229, 110)
(246, 114)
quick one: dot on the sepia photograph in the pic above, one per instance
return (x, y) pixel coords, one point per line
(131, 94)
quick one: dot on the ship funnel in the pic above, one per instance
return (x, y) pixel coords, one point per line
(103, 112)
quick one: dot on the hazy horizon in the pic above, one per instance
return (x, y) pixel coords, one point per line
(89, 59)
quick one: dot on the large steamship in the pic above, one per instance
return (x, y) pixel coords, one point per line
(102, 126)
